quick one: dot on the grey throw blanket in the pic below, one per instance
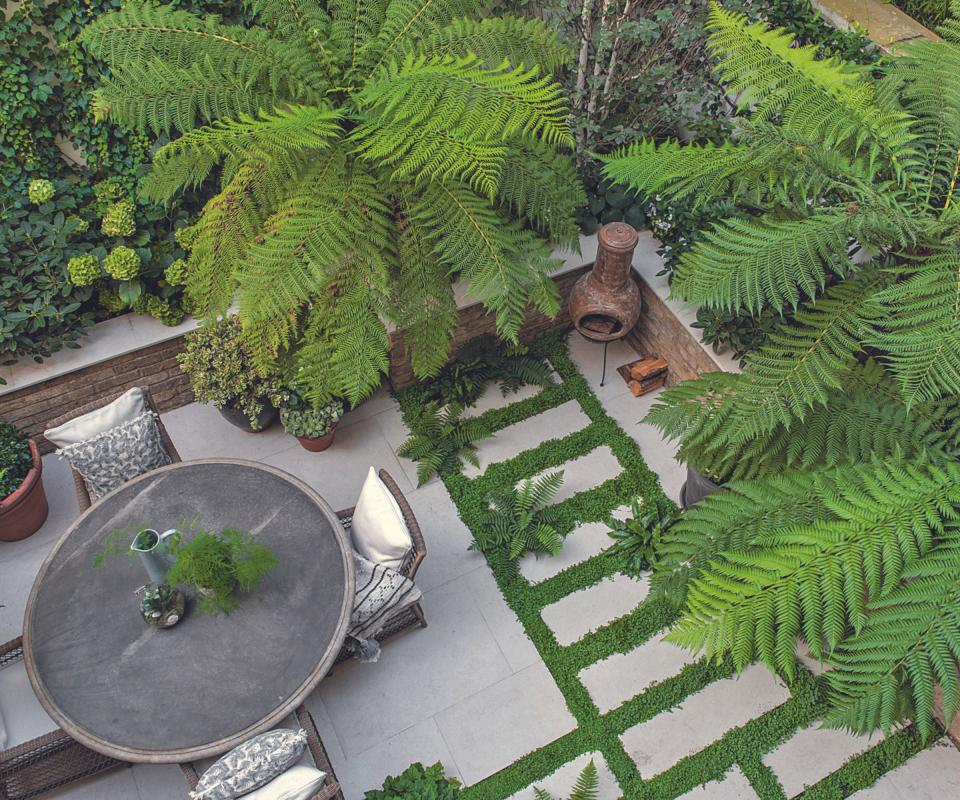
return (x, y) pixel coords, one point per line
(381, 593)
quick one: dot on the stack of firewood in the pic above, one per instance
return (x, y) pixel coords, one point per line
(645, 374)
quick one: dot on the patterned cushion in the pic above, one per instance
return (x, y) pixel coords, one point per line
(251, 765)
(116, 455)
(381, 593)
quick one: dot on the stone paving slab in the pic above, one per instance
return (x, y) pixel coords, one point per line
(586, 472)
(555, 423)
(581, 612)
(619, 677)
(588, 356)
(560, 783)
(493, 397)
(932, 774)
(813, 753)
(700, 720)
(499, 725)
(734, 786)
(583, 542)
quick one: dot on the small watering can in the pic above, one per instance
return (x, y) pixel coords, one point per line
(154, 551)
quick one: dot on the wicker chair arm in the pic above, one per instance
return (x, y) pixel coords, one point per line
(190, 773)
(11, 651)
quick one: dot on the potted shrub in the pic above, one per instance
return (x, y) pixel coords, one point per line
(23, 503)
(222, 373)
(217, 565)
(313, 425)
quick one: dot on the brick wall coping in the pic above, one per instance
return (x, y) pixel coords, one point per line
(129, 332)
(883, 23)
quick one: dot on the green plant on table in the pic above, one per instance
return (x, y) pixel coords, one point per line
(303, 419)
(442, 439)
(481, 361)
(521, 519)
(841, 523)
(217, 359)
(637, 538)
(218, 565)
(373, 155)
(417, 783)
(585, 788)
(15, 458)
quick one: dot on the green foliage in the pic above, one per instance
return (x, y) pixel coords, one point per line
(585, 788)
(84, 270)
(15, 459)
(217, 359)
(481, 361)
(366, 157)
(928, 12)
(832, 159)
(118, 220)
(122, 263)
(302, 419)
(417, 782)
(442, 440)
(218, 565)
(521, 519)
(40, 191)
(637, 538)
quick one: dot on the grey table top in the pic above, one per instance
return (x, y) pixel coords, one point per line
(140, 693)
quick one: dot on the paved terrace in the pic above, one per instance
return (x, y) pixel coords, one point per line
(472, 690)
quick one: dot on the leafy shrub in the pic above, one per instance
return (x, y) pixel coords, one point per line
(304, 420)
(637, 538)
(442, 440)
(15, 459)
(521, 519)
(221, 372)
(481, 361)
(417, 783)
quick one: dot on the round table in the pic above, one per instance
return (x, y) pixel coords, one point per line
(144, 694)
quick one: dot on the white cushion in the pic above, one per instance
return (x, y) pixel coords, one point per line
(125, 408)
(24, 717)
(379, 533)
(297, 783)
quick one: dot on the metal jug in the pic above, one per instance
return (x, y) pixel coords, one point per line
(154, 551)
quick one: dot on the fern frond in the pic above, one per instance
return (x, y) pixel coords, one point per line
(765, 262)
(587, 785)
(825, 100)
(407, 21)
(301, 23)
(154, 95)
(186, 161)
(141, 33)
(504, 103)
(918, 327)
(815, 579)
(355, 23)
(911, 639)
(526, 42)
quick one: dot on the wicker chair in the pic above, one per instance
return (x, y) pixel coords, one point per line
(47, 762)
(412, 615)
(83, 493)
(331, 789)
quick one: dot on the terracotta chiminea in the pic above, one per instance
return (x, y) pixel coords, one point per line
(605, 303)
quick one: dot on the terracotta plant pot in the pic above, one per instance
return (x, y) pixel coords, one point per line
(697, 487)
(23, 512)
(319, 444)
(235, 416)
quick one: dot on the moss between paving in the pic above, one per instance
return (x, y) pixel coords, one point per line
(744, 746)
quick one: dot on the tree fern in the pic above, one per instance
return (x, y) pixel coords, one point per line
(355, 140)
(520, 519)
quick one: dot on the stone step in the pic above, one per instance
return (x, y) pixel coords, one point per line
(586, 472)
(734, 786)
(574, 616)
(494, 398)
(560, 783)
(932, 774)
(700, 720)
(619, 677)
(813, 753)
(555, 423)
(582, 543)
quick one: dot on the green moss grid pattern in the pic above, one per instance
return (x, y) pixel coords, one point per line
(744, 746)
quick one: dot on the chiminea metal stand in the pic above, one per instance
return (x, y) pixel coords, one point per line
(605, 303)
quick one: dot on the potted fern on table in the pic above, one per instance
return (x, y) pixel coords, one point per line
(843, 430)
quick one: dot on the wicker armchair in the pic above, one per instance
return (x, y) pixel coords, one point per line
(412, 615)
(331, 789)
(47, 762)
(83, 493)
